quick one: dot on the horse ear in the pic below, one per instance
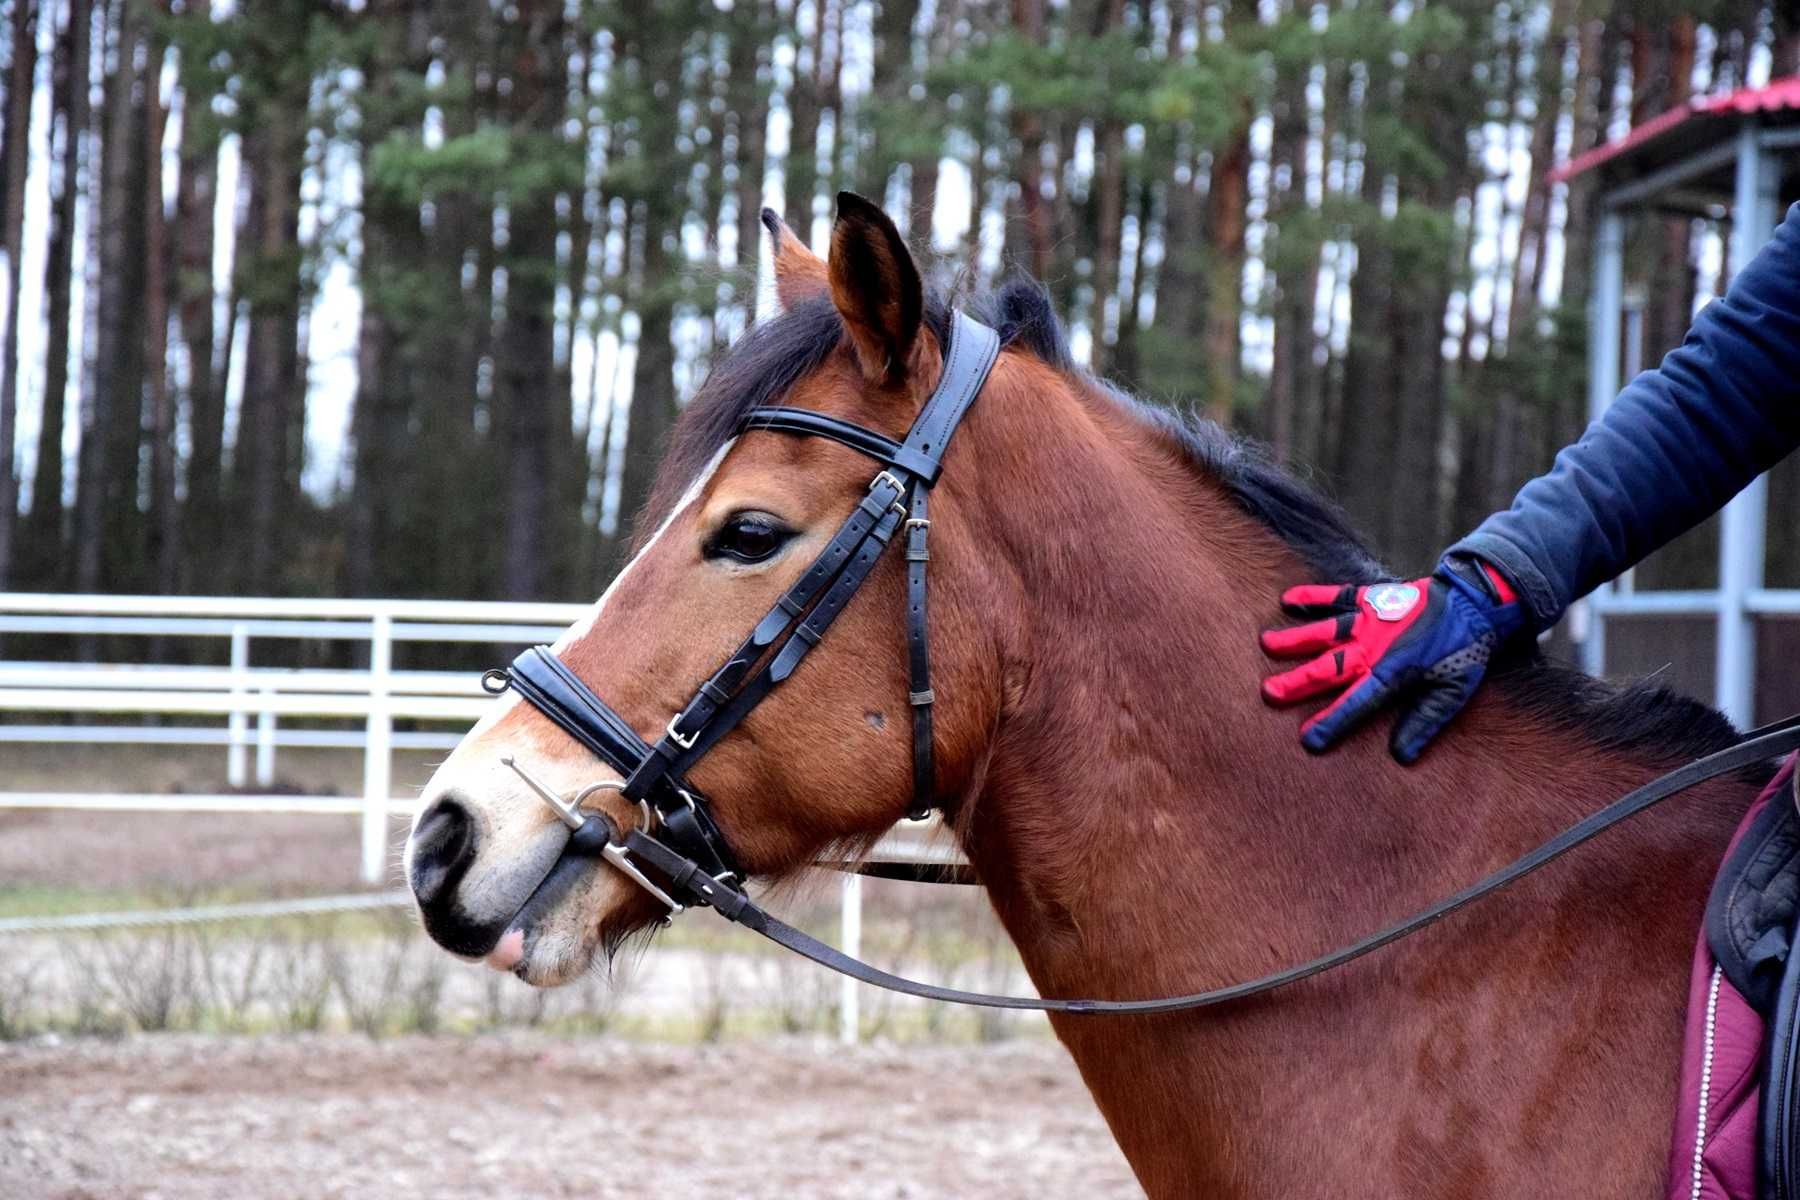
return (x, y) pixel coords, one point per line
(799, 273)
(876, 288)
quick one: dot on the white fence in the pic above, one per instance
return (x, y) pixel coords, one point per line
(240, 692)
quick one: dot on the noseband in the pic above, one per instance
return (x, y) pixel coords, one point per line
(680, 843)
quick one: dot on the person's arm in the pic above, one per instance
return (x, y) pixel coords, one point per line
(1671, 450)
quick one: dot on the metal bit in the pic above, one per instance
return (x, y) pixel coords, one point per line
(620, 860)
(614, 854)
(570, 815)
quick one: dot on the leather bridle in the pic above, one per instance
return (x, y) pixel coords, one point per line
(897, 501)
(679, 841)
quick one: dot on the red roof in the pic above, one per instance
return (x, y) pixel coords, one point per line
(1779, 95)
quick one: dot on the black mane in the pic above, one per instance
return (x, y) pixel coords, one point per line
(1633, 717)
(1653, 723)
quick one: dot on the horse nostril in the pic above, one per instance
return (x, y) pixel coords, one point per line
(443, 845)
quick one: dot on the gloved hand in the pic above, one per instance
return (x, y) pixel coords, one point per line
(1428, 640)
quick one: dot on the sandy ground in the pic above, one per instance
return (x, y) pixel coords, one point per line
(519, 1112)
(525, 1114)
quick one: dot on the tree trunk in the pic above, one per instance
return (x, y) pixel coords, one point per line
(1175, 367)
(1672, 289)
(892, 109)
(1225, 224)
(927, 161)
(1416, 385)
(652, 381)
(1109, 211)
(195, 202)
(983, 124)
(1292, 257)
(1127, 354)
(1528, 269)
(525, 395)
(800, 171)
(271, 279)
(750, 92)
(21, 78)
(44, 534)
(106, 488)
(270, 446)
(1369, 412)
(1028, 130)
(165, 529)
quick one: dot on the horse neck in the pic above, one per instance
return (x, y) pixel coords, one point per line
(1136, 787)
(1145, 823)
(1147, 827)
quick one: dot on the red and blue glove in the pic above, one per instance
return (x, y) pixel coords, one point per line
(1427, 641)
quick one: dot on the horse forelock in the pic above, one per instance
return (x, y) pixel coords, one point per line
(777, 352)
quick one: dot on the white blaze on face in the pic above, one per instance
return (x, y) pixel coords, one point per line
(585, 625)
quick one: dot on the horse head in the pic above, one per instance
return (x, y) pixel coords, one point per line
(732, 523)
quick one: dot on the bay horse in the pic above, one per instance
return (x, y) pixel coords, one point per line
(1142, 823)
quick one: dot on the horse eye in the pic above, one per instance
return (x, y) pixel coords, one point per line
(748, 537)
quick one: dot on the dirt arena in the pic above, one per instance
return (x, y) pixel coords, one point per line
(524, 1114)
(511, 1111)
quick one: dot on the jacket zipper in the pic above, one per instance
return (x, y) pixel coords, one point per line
(1706, 1065)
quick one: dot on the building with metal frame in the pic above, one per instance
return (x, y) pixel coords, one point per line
(1735, 157)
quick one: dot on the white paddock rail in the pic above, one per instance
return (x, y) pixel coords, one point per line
(240, 691)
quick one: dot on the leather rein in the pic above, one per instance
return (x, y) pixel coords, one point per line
(679, 841)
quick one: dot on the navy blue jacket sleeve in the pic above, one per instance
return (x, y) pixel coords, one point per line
(1678, 443)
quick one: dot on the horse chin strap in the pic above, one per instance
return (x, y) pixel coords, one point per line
(679, 855)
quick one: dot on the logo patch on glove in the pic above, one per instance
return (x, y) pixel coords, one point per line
(1392, 601)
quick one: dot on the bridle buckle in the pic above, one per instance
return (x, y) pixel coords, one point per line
(686, 743)
(897, 507)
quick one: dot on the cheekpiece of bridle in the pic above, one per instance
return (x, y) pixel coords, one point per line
(678, 854)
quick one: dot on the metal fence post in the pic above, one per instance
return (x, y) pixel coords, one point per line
(265, 740)
(1742, 533)
(237, 724)
(1605, 316)
(377, 763)
(850, 930)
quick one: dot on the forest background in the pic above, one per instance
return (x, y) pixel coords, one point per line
(400, 299)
